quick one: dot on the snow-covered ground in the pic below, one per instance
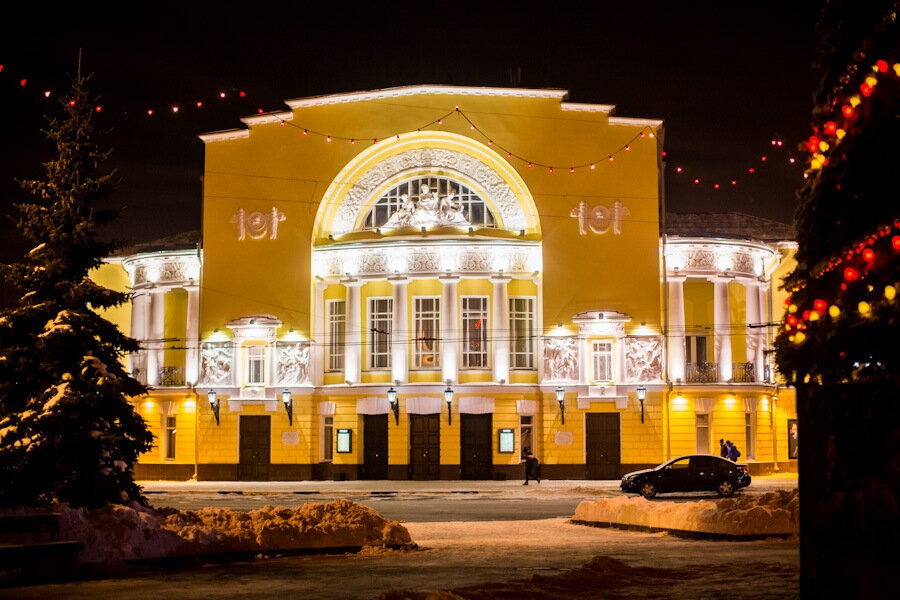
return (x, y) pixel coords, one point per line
(766, 514)
(115, 534)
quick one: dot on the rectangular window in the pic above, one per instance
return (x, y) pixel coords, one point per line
(702, 434)
(334, 334)
(526, 430)
(381, 314)
(521, 332)
(602, 353)
(427, 327)
(750, 437)
(327, 439)
(256, 365)
(695, 347)
(170, 438)
(474, 332)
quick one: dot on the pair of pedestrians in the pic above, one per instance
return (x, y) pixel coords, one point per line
(728, 450)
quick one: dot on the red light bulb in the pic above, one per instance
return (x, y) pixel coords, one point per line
(150, 112)
(221, 94)
(806, 314)
(696, 182)
(847, 110)
(851, 274)
(866, 89)
(868, 255)
(678, 169)
(734, 182)
(23, 82)
(792, 320)
(820, 305)
(895, 241)
(882, 66)
(199, 105)
(242, 94)
(751, 170)
(550, 169)
(830, 127)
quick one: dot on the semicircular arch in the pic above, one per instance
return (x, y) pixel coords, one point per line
(356, 188)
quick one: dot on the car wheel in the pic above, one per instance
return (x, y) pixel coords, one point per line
(648, 490)
(725, 488)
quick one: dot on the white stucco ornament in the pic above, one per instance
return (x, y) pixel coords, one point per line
(257, 225)
(215, 363)
(643, 359)
(561, 358)
(599, 219)
(293, 363)
(429, 209)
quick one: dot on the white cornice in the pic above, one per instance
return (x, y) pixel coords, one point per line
(226, 134)
(270, 117)
(580, 107)
(633, 121)
(419, 90)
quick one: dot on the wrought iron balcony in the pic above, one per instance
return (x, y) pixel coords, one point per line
(701, 372)
(743, 372)
(171, 377)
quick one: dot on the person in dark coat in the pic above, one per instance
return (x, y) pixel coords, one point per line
(532, 467)
(733, 452)
(723, 449)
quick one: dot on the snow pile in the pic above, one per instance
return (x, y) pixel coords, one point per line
(773, 513)
(117, 533)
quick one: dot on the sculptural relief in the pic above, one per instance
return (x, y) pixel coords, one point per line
(216, 360)
(293, 363)
(643, 359)
(560, 359)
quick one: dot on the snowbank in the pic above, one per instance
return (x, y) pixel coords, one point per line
(773, 513)
(116, 533)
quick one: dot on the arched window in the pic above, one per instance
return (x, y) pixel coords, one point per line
(428, 202)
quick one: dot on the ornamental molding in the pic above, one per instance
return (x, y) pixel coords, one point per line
(643, 359)
(292, 363)
(601, 322)
(497, 191)
(254, 327)
(177, 269)
(379, 260)
(257, 225)
(560, 359)
(216, 361)
(705, 258)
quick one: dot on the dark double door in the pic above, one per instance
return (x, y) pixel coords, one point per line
(424, 446)
(602, 440)
(254, 453)
(375, 447)
(476, 452)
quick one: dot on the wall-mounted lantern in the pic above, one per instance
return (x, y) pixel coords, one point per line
(448, 398)
(288, 405)
(561, 398)
(395, 406)
(214, 404)
(641, 394)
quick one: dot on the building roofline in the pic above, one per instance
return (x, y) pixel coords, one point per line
(417, 90)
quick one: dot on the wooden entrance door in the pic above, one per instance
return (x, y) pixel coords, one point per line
(254, 448)
(603, 454)
(476, 455)
(425, 446)
(375, 447)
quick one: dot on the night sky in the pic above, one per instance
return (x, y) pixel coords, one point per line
(725, 79)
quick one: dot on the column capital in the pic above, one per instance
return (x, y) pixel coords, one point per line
(676, 278)
(351, 281)
(721, 278)
(448, 278)
(500, 278)
(398, 279)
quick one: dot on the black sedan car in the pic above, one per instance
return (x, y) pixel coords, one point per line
(692, 473)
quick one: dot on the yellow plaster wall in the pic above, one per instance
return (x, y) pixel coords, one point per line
(737, 312)
(698, 311)
(114, 277)
(175, 327)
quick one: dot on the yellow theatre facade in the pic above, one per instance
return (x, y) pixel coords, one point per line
(417, 283)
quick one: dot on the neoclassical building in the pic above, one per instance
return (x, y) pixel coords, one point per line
(419, 282)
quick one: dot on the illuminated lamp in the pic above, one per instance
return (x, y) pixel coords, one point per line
(395, 407)
(696, 182)
(214, 404)
(610, 158)
(529, 165)
(221, 94)
(866, 89)
(150, 112)
(820, 305)
(799, 337)
(199, 105)
(288, 405)
(830, 127)
(895, 241)
(242, 94)
(641, 394)
(678, 169)
(890, 292)
(868, 255)
(561, 399)
(734, 182)
(23, 82)
(792, 320)
(550, 169)
(751, 170)
(593, 167)
(847, 110)
(47, 94)
(881, 66)
(864, 307)
(448, 398)
(763, 158)
(851, 274)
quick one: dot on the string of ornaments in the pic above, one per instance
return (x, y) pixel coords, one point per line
(528, 162)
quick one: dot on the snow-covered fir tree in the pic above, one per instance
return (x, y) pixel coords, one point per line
(67, 430)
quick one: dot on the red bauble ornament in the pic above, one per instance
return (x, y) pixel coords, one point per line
(820, 305)
(851, 274)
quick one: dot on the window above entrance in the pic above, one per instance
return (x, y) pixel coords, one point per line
(429, 201)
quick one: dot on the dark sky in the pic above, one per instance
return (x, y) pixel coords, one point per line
(725, 77)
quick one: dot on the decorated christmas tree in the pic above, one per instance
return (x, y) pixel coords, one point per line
(841, 318)
(67, 430)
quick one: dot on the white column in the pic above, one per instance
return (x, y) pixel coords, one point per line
(754, 334)
(192, 354)
(353, 347)
(450, 333)
(139, 308)
(764, 317)
(722, 328)
(676, 328)
(155, 331)
(500, 328)
(317, 355)
(400, 331)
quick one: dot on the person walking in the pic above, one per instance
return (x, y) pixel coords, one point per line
(532, 467)
(723, 449)
(733, 452)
